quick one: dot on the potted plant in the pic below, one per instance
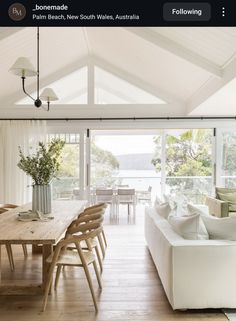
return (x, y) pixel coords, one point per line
(42, 166)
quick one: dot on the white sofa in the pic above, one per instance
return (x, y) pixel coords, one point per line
(195, 274)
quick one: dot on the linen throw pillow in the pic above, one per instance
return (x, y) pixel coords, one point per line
(224, 190)
(230, 198)
(163, 209)
(189, 227)
(201, 209)
(223, 228)
(218, 228)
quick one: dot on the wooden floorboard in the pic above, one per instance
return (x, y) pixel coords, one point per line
(132, 290)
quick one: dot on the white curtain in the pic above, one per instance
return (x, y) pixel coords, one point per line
(15, 186)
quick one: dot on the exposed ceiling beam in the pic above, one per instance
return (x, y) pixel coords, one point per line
(153, 90)
(211, 87)
(8, 31)
(176, 49)
(98, 110)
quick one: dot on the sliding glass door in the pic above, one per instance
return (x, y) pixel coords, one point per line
(154, 162)
(124, 158)
(188, 163)
(67, 186)
(173, 161)
(226, 156)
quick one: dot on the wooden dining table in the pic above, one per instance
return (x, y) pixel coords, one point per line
(44, 233)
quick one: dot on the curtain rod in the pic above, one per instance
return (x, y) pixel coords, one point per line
(131, 118)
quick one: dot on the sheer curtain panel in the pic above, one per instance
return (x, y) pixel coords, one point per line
(15, 186)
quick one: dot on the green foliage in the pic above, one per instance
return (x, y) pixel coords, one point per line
(44, 164)
(104, 166)
(188, 154)
(229, 154)
(70, 161)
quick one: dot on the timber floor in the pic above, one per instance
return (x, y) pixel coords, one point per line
(132, 290)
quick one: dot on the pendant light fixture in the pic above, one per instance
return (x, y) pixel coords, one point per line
(24, 68)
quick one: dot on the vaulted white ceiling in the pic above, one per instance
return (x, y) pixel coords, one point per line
(158, 71)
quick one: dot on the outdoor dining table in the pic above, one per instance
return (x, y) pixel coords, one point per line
(44, 233)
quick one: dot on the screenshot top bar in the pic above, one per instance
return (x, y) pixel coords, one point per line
(91, 13)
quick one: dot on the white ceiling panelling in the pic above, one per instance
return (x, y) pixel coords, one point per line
(162, 70)
(111, 89)
(173, 64)
(223, 102)
(216, 44)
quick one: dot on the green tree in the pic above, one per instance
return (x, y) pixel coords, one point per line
(104, 166)
(187, 154)
(70, 161)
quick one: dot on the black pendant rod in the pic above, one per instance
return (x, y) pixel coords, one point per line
(37, 62)
(38, 102)
(130, 118)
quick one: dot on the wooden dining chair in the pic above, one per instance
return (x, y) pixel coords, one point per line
(106, 195)
(94, 242)
(94, 207)
(80, 258)
(3, 209)
(101, 238)
(126, 196)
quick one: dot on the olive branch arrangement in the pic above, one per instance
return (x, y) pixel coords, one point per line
(44, 164)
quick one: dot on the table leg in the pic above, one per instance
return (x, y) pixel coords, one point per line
(47, 250)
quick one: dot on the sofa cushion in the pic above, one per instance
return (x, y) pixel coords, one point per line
(230, 198)
(220, 228)
(163, 209)
(197, 209)
(224, 190)
(190, 227)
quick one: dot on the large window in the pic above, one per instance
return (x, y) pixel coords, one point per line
(188, 163)
(228, 158)
(67, 184)
(124, 159)
(163, 161)
(176, 161)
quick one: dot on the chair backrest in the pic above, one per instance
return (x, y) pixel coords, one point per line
(126, 195)
(89, 231)
(126, 191)
(91, 212)
(7, 206)
(97, 206)
(3, 210)
(79, 225)
(104, 195)
(104, 191)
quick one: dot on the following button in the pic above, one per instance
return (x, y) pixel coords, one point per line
(187, 11)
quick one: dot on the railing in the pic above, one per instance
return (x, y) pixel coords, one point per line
(65, 188)
(194, 188)
(228, 181)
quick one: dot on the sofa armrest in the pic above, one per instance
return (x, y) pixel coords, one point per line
(204, 274)
(217, 207)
